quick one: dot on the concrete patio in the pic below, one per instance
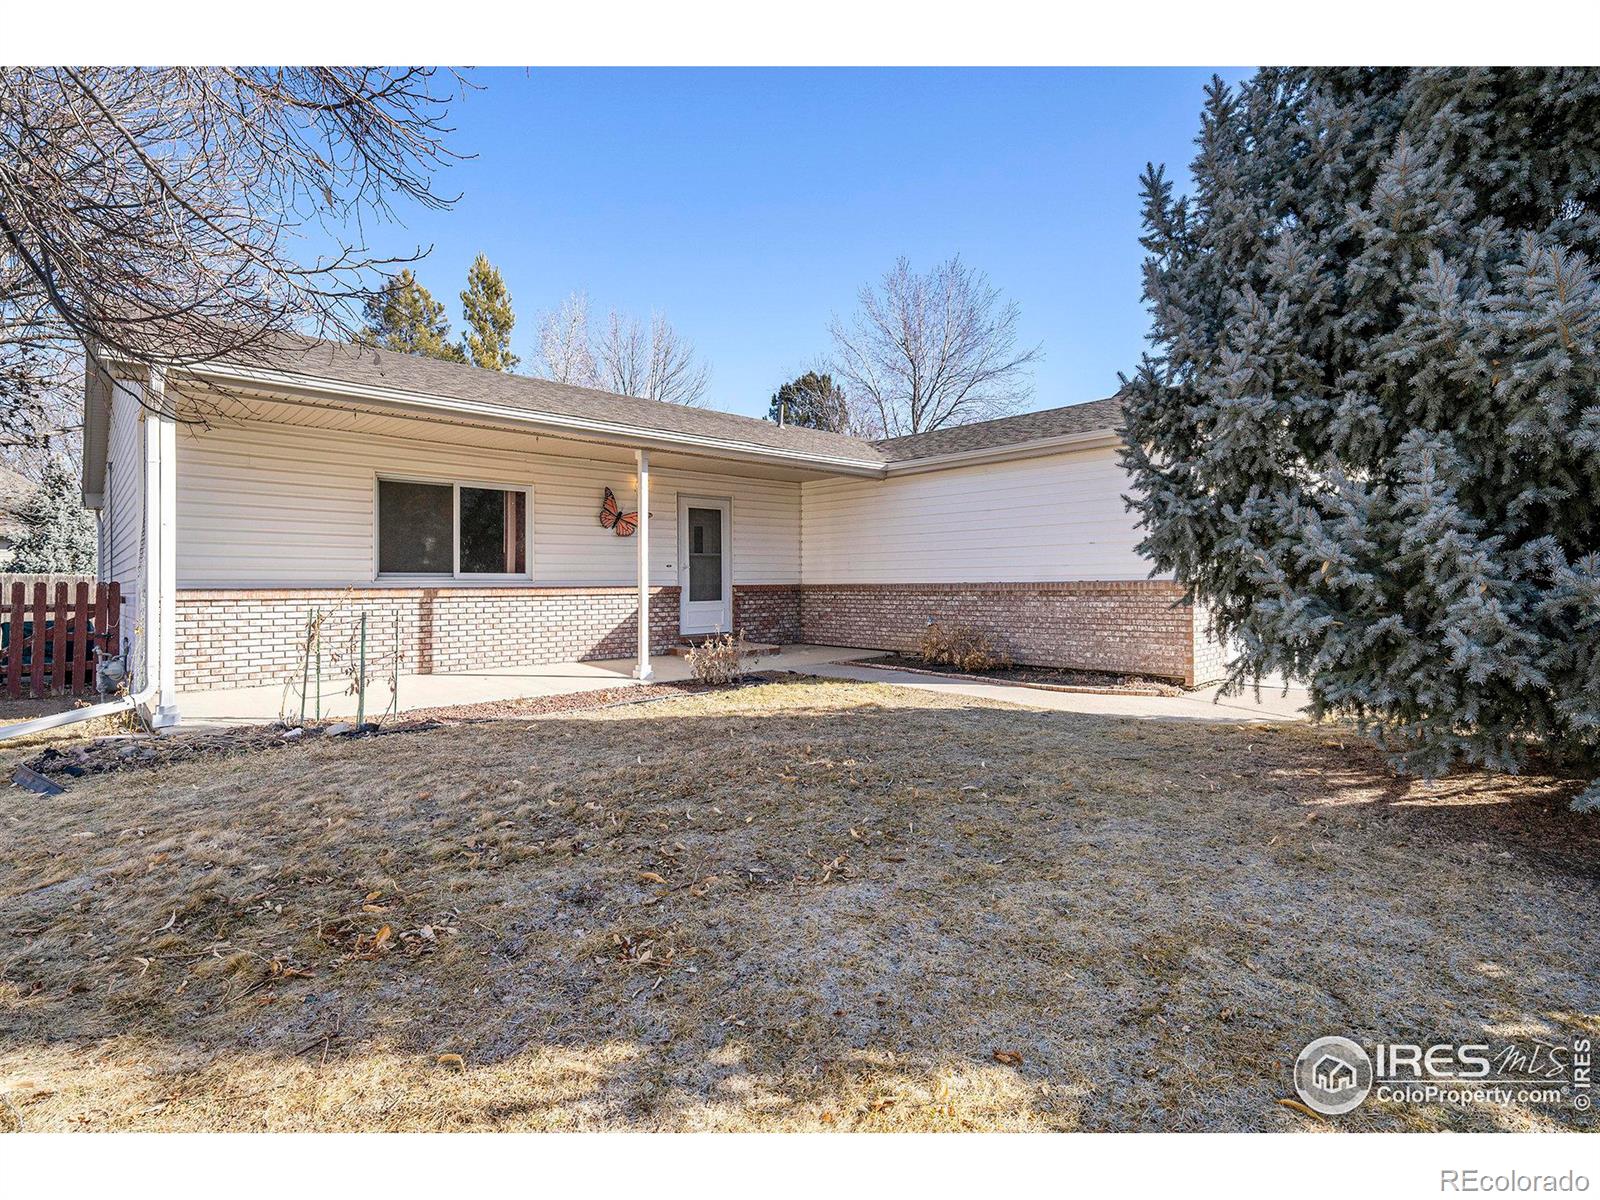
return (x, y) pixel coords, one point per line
(261, 705)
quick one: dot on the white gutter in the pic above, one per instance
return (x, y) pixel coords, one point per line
(555, 423)
(158, 593)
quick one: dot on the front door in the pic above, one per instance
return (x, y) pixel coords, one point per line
(705, 565)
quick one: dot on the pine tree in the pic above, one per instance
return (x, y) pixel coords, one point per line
(1368, 438)
(486, 307)
(405, 318)
(59, 534)
(812, 400)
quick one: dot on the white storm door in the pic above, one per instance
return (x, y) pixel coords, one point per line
(705, 565)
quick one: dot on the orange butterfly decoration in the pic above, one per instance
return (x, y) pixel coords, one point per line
(612, 517)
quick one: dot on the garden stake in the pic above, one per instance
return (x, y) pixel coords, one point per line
(305, 668)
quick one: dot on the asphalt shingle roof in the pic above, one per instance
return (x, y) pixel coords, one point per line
(363, 366)
(1005, 431)
(359, 366)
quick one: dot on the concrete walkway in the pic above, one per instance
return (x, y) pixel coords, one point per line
(1201, 705)
(263, 705)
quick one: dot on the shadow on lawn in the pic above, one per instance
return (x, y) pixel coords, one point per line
(805, 906)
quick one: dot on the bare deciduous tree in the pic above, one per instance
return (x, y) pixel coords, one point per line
(186, 214)
(657, 365)
(928, 351)
(652, 362)
(37, 392)
(622, 356)
(564, 351)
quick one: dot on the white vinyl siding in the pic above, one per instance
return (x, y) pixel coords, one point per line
(123, 514)
(262, 504)
(1054, 518)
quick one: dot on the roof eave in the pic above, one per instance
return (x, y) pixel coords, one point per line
(96, 427)
(553, 424)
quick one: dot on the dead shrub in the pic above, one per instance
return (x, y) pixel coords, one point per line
(719, 659)
(961, 647)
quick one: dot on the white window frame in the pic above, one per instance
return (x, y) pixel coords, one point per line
(455, 573)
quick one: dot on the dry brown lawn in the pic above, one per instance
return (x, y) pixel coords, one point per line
(804, 905)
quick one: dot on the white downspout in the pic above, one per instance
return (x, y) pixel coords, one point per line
(643, 670)
(160, 585)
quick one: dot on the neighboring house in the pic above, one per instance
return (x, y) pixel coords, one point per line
(14, 490)
(464, 504)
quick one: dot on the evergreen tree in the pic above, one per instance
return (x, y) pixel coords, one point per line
(405, 318)
(486, 307)
(59, 533)
(812, 400)
(1369, 436)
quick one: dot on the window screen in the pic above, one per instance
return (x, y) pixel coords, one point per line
(414, 528)
(705, 554)
(493, 531)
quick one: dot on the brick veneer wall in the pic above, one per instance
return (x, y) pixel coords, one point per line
(767, 612)
(1210, 659)
(1140, 626)
(238, 637)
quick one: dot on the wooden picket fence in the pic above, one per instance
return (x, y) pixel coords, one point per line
(49, 633)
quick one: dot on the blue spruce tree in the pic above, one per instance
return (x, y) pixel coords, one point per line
(1368, 436)
(58, 533)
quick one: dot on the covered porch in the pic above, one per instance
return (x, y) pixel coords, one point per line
(472, 536)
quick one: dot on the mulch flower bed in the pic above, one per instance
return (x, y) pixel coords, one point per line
(128, 751)
(1097, 682)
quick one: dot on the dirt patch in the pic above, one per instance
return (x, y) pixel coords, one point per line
(539, 706)
(801, 905)
(1104, 683)
(28, 709)
(69, 757)
(100, 756)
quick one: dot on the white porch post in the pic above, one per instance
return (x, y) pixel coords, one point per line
(642, 669)
(159, 587)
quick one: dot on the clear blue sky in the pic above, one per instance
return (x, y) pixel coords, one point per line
(750, 205)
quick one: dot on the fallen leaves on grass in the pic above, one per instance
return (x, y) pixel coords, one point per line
(1137, 907)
